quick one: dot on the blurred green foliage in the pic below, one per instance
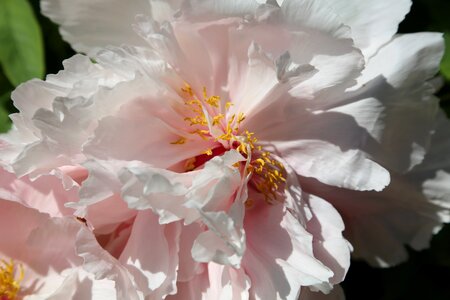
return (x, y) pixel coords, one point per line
(22, 49)
(424, 276)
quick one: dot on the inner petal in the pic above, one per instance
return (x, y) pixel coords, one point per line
(209, 118)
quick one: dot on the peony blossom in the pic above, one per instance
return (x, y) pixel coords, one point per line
(38, 248)
(211, 142)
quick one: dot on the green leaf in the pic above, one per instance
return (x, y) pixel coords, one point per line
(21, 50)
(445, 64)
(5, 122)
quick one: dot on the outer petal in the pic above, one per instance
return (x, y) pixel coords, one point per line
(89, 25)
(205, 195)
(227, 283)
(49, 270)
(394, 103)
(330, 247)
(216, 282)
(327, 163)
(209, 189)
(100, 263)
(46, 194)
(151, 255)
(373, 22)
(40, 142)
(81, 285)
(417, 58)
(279, 257)
(409, 211)
(100, 192)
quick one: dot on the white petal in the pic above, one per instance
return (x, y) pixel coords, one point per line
(394, 104)
(279, 257)
(89, 25)
(153, 271)
(81, 285)
(100, 263)
(330, 247)
(372, 22)
(176, 196)
(321, 160)
(416, 57)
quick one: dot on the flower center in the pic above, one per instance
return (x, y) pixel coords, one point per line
(209, 118)
(9, 285)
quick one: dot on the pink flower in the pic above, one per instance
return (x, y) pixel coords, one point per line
(229, 129)
(38, 258)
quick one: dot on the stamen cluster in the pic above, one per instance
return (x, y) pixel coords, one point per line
(210, 119)
(9, 285)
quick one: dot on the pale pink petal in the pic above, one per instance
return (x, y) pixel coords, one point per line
(216, 282)
(279, 257)
(100, 263)
(188, 267)
(48, 269)
(176, 196)
(100, 192)
(46, 194)
(120, 137)
(153, 271)
(227, 283)
(80, 285)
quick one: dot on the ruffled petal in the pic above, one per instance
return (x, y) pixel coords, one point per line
(279, 257)
(153, 271)
(91, 25)
(100, 263)
(46, 194)
(327, 163)
(373, 23)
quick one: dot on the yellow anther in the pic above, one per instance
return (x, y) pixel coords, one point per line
(180, 141)
(190, 164)
(267, 172)
(260, 161)
(241, 118)
(188, 90)
(216, 119)
(213, 101)
(9, 284)
(249, 203)
(231, 120)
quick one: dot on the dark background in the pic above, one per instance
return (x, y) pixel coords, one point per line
(427, 274)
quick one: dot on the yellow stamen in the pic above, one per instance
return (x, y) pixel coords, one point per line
(241, 118)
(9, 285)
(190, 164)
(268, 173)
(180, 141)
(216, 119)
